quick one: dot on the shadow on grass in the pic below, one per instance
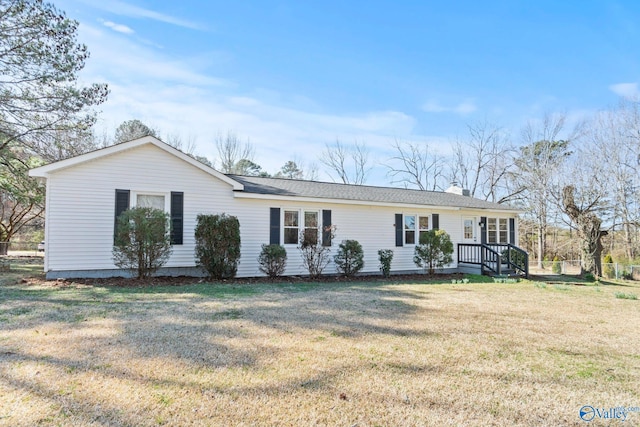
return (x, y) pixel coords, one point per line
(203, 326)
(575, 280)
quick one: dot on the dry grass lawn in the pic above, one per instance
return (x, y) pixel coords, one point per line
(478, 354)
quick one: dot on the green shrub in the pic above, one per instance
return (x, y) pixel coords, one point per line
(315, 256)
(273, 260)
(218, 245)
(589, 277)
(142, 241)
(608, 269)
(385, 256)
(434, 251)
(556, 267)
(516, 257)
(350, 258)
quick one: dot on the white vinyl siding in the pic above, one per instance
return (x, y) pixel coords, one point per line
(80, 216)
(81, 204)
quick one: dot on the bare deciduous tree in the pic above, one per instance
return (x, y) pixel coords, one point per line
(482, 162)
(349, 164)
(588, 225)
(231, 150)
(21, 197)
(417, 165)
(187, 146)
(535, 168)
(615, 136)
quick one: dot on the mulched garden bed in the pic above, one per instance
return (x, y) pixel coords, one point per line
(187, 280)
(183, 280)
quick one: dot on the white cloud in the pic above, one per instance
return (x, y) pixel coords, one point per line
(177, 95)
(125, 9)
(118, 27)
(463, 108)
(626, 90)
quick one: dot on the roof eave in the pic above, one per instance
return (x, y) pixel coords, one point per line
(296, 198)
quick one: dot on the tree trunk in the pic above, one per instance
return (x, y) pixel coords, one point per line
(542, 231)
(588, 227)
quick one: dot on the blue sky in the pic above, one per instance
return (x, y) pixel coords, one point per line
(292, 76)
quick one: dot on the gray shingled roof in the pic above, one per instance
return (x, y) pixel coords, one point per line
(364, 193)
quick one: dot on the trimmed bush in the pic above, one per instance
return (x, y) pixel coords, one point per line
(218, 245)
(142, 242)
(385, 256)
(350, 258)
(273, 260)
(434, 251)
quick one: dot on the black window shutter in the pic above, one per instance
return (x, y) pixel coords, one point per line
(326, 227)
(483, 230)
(274, 226)
(512, 231)
(435, 221)
(122, 204)
(177, 217)
(399, 238)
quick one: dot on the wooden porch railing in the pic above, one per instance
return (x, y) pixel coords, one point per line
(495, 258)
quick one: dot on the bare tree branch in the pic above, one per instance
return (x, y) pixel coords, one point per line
(349, 164)
(415, 165)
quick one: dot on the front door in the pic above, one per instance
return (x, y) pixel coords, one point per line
(469, 234)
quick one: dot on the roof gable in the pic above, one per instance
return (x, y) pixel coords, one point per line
(46, 170)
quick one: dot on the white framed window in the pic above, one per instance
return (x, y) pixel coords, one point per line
(409, 229)
(311, 228)
(423, 226)
(468, 229)
(503, 230)
(296, 221)
(497, 230)
(143, 199)
(414, 226)
(291, 227)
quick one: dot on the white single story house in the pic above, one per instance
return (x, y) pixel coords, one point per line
(85, 195)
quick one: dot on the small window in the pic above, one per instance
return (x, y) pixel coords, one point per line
(291, 227)
(423, 224)
(150, 201)
(497, 230)
(468, 229)
(311, 227)
(503, 230)
(492, 230)
(410, 229)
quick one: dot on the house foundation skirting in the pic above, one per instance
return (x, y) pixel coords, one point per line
(196, 272)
